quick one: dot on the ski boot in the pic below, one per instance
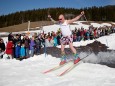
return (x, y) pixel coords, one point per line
(63, 60)
(76, 58)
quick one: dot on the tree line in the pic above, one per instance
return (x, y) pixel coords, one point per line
(106, 13)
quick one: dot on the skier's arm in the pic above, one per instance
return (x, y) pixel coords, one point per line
(76, 18)
(49, 16)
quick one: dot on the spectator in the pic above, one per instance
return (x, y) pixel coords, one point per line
(95, 33)
(38, 45)
(23, 51)
(9, 49)
(87, 35)
(47, 42)
(55, 40)
(78, 35)
(2, 48)
(26, 42)
(113, 29)
(98, 32)
(32, 46)
(74, 37)
(15, 41)
(58, 38)
(52, 41)
(10, 37)
(17, 50)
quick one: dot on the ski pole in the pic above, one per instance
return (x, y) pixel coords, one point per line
(45, 48)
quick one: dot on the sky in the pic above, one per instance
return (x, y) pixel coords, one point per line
(10, 6)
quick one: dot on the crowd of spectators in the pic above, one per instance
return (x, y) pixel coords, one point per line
(22, 46)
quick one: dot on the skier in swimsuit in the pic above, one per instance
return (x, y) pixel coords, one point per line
(67, 37)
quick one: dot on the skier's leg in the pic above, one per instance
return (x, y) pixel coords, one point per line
(63, 57)
(72, 48)
(76, 57)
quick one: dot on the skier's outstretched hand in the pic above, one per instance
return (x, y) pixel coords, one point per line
(82, 13)
(49, 16)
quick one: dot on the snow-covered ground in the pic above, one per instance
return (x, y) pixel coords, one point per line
(29, 72)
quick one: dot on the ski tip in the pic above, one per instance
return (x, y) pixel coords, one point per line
(45, 72)
(60, 75)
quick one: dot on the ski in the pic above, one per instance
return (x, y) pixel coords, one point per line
(52, 69)
(68, 69)
(60, 66)
(71, 67)
(55, 68)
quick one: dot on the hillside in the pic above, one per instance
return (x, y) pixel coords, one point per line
(24, 26)
(105, 13)
(33, 25)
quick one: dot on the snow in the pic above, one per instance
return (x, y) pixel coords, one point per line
(105, 24)
(29, 72)
(2, 33)
(108, 40)
(96, 25)
(51, 28)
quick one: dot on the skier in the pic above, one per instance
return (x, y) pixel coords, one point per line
(67, 37)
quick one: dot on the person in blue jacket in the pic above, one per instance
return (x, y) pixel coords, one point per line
(17, 50)
(55, 41)
(23, 51)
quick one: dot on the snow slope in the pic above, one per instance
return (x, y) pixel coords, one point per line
(29, 72)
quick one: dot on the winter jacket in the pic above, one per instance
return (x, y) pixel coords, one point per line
(17, 51)
(22, 51)
(55, 41)
(58, 39)
(16, 41)
(26, 42)
(32, 44)
(38, 43)
(9, 47)
(2, 46)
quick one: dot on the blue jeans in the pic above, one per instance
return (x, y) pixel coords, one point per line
(38, 50)
(79, 38)
(32, 52)
(27, 52)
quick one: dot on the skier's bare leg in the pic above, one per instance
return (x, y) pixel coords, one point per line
(72, 48)
(76, 57)
(63, 58)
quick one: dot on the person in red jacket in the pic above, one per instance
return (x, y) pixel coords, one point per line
(9, 49)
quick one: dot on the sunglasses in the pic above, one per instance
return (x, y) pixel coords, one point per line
(60, 19)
